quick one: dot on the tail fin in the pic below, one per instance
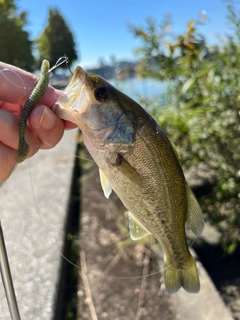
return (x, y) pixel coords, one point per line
(175, 278)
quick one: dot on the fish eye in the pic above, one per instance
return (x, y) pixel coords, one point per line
(101, 94)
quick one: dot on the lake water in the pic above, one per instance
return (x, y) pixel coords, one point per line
(135, 87)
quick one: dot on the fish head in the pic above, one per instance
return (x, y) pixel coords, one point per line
(96, 107)
(88, 100)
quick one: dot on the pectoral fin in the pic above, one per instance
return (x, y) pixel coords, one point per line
(107, 189)
(129, 171)
(194, 216)
(137, 230)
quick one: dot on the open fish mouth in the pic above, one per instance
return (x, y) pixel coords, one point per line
(74, 98)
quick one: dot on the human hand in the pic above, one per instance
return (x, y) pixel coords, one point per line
(44, 129)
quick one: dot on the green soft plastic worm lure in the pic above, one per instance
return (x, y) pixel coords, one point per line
(36, 95)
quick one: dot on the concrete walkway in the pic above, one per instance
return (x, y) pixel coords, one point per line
(33, 208)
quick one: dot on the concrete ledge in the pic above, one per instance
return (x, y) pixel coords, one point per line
(33, 227)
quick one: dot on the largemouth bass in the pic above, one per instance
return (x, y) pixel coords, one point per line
(137, 161)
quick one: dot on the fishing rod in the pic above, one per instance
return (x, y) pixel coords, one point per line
(7, 279)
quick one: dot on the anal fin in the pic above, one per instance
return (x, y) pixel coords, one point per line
(137, 230)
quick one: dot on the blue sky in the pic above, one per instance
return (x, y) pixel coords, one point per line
(100, 28)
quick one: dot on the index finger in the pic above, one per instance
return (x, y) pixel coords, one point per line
(17, 85)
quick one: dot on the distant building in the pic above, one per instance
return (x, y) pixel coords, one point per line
(106, 71)
(120, 70)
(125, 69)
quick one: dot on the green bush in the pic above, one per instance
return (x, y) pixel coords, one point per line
(202, 112)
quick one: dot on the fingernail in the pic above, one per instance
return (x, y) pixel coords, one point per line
(47, 120)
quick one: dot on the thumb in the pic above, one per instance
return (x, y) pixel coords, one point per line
(48, 127)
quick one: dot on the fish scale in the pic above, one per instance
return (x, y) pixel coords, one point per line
(168, 172)
(137, 161)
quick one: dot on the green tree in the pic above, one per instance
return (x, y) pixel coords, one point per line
(15, 46)
(56, 40)
(201, 114)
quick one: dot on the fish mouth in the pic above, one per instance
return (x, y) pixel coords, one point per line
(74, 98)
(79, 77)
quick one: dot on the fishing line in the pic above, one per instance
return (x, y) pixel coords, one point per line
(55, 245)
(4, 74)
(150, 274)
(67, 153)
(7, 75)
